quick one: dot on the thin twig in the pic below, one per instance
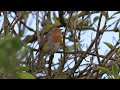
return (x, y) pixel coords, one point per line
(27, 26)
(103, 60)
(110, 55)
(49, 67)
(6, 23)
(12, 27)
(90, 74)
(75, 58)
(64, 55)
(82, 52)
(84, 55)
(16, 19)
(97, 34)
(64, 39)
(62, 21)
(83, 20)
(37, 27)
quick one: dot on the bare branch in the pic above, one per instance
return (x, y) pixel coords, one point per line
(97, 34)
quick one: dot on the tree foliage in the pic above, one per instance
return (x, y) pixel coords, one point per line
(21, 32)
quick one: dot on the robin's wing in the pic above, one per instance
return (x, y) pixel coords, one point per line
(45, 39)
(42, 43)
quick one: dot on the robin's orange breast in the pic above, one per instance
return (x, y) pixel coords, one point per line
(57, 36)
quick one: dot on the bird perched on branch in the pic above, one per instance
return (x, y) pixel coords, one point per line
(50, 44)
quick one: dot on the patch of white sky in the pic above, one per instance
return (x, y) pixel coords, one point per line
(85, 38)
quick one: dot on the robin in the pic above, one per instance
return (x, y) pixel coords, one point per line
(50, 44)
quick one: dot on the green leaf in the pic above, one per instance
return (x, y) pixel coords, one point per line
(96, 18)
(56, 21)
(61, 77)
(68, 48)
(111, 18)
(22, 68)
(8, 49)
(108, 44)
(115, 70)
(94, 12)
(105, 13)
(85, 22)
(116, 13)
(28, 39)
(25, 75)
(73, 18)
(49, 26)
(118, 77)
(118, 52)
(110, 78)
(105, 70)
(25, 15)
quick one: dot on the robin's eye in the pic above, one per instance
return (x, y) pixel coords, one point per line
(55, 29)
